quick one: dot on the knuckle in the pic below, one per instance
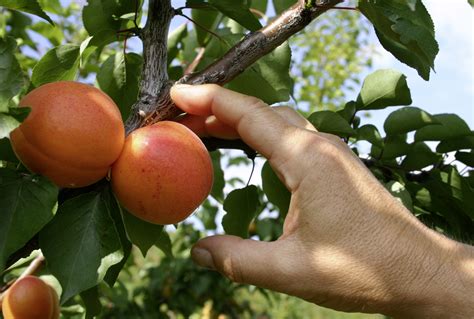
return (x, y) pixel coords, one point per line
(233, 269)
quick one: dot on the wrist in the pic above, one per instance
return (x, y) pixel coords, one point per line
(441, 282)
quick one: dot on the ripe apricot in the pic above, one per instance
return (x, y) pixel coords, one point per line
(163, 174)
(73, 134)
(30, 298)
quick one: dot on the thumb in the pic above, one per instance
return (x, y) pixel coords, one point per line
(264, 264)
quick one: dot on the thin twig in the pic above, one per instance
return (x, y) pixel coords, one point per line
(193, 65)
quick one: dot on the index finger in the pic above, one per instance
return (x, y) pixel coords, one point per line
(257, 124)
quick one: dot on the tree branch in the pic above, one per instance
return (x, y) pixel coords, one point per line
(154, 81)
(245, 53)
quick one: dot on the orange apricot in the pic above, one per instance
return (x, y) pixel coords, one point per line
(72, 135)
(30, 298)
(163, 174)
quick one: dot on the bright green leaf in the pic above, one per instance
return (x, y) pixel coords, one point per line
(219, 182)
(384, 88)
(241, 206)
(58, 64)
(371, 134)
(332, 123)
(238, 11)
(28, 202)
(164, 244)
(405, 29)
(28, 6)
(101, 15)
(11, 76)
(91, 300)
(455, 144)
(282, 5)
(452, 126)
(119, 77)
(275, 190)
(207, 20)
(407, 119)
(141, 233)
(267, 79)
(419, 157)
(81, 243)
(174, 38)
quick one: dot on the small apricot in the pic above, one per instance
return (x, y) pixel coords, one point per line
(163, 174)
(30, 298)
(72, 135)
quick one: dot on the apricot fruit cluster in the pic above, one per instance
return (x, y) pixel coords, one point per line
(30, 298)
(75, 134)
(72, 135)
(163, 173)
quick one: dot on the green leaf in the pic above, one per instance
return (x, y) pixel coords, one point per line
(12, 78)
(452, 126)
(269, 78)
(91, 300)
(116, 214)
(174, 39)
(58, 64)
(384, 88)
(455, 144)
(207, 20)
(331, 122)
(349, 111)
(7, 124)
(241, 206)
(12, 119)
(119, 77)
(419, 157)
(467, 158)
(219, 182)
(28, 203)
(407, 119)
(260, 5)
(101, 15)
(405, 29)
(282, 5)
(401, 193)
(371, 134)
(164, 244)
(81, 243)
(449, 187)
(394, 146)
(6, 151)
(141, 233)
(207, 214)
(275, 190)
(238, 11)
(28, 6)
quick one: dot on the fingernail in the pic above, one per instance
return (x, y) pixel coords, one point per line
(203, 258)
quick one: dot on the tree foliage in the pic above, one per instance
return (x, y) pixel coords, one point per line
(425, 160)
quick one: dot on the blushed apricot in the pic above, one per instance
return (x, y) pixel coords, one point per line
(163, 174)
(30, 298)
(73, 134)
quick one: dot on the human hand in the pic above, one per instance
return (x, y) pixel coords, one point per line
(347, 244)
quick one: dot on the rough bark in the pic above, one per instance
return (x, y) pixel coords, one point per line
(154, 80)
(251, 48)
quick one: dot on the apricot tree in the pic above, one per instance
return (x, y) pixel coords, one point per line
(83, 236)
